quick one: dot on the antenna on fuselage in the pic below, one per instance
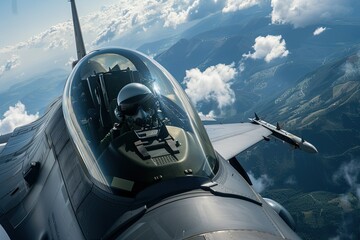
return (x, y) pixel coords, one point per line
(80, 47)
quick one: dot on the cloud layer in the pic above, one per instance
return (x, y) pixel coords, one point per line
(8, 64)
(135, 22)
(214, 84)
(14, 117)
(350, 173)
(301, 13)
(351, 68)
(261, 183)
(268, 48)
(132, 23)
(235, 5)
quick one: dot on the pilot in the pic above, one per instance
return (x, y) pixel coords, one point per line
(136, 105)
(136, 110)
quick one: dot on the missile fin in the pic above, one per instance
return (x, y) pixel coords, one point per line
(266, 138)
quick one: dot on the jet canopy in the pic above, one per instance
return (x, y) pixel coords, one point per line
(132, 124)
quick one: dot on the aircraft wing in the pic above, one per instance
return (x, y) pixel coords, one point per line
(231, 139)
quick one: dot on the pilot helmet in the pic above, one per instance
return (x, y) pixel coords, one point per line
(136, 103)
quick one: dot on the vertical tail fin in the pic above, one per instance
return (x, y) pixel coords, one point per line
(80, 47)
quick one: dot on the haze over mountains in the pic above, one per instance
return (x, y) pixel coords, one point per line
(304, 74)
(228, 42)
(313, 90)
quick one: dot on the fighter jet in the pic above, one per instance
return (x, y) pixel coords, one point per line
(123, 154)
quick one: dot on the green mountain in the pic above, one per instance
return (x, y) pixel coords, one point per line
(321, 215)
(324, 105)
(314, 92)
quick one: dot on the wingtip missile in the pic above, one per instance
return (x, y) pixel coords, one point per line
(307, 147)
(285, 136)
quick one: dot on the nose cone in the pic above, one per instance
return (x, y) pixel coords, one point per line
(308, 147)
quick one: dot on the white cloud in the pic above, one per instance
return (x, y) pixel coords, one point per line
(235, 5)
(319, 31)
(344, 230)
(241, 66)
(115, 21)
(268, 48)
(301, 13)
(173, 18)
(351, 68)
(14, 117)
(124, 19)
(350, 172)
(57, 42)
(37, 54)
(259, 184)
(291, 180)
(56, 35)
(11, 63)
(214, 84)
(207, 117)
(175, 14)
(108, 33)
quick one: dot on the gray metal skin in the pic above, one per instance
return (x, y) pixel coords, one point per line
(39, 207)
(46, 193)
(61, 202)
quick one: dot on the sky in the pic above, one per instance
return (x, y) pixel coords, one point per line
(35, 32)
(40, 14)
(42, 28)
(25, 18)
(37, 35)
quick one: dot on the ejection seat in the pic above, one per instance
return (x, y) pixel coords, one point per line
(104, 88)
